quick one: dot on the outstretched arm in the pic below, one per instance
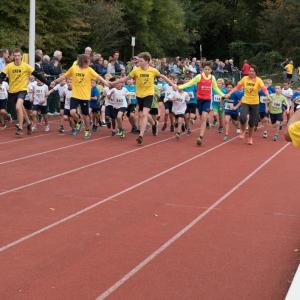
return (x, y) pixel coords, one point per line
(166, 79)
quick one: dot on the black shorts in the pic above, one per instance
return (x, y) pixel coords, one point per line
(131, 109)
(95, 110)
(67, 112)
(253, 111)
(40, 108)
(234, 117)
(109, 112)
(263, 115)
(276, 118)
(84, 105)
(121, 109)
(161, 99)
(62, 105)
(168, 105)
(145, 102)
(3, 104)
(289, 76)
(13, 97)
(191, 108)
(27, 105)
(153, 111)
(179, 116)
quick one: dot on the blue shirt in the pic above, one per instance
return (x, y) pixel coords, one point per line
(132, 93)
(262, 98)
(162, 86)
(297, 102)
(94, 93)
(192, 91)
(217, 98)
(234, 99)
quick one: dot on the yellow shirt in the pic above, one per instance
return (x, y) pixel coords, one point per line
(18, 76)
(81, 81)
(251, 89)
(144, 81)
(289, 68)
(294, 132)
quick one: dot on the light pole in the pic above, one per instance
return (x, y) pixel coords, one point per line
(32, 33)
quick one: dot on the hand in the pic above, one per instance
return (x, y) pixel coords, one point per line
(52, 84)
(227, 96)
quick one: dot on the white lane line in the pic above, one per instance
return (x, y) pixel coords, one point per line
(23, 139)
(82, 167)
(88, 208)
(294, 290)
(53, 150)
(179, 234)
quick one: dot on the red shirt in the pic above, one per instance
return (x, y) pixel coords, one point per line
(204, 89)
(246, 69)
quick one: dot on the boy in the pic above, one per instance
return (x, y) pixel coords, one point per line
(39, 98)
(94, 106)
(154, 113)
(218, 111)
(180, 99)
(109, 109)
(67, 100)
(288, 93)
(293, 130)
(190, 112)
(132, 102)
(118, 96)
(4, 87)
(275, 104)
(231, 109)
(144, 76)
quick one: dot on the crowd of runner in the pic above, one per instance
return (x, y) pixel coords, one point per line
(94, 93)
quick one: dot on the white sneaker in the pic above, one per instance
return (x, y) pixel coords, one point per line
(47, 128)
(238, 131)
(33, 128)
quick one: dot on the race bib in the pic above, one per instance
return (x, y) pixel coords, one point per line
(131, 96)
(262, 99)
(217, 98)
(228, 106)
(276, 104)
(191, 95)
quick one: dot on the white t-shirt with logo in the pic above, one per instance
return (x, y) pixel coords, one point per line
(118, 98)
(180, 103)
(169, 93)
(39, 93)
(67, 97)
(288, 93)
(4, 90)
(61, 91)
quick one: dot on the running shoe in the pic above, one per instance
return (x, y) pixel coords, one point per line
(87, 134)
(94, 128)
(183, 128)
(189, 131)
(208, 125)
(238, 131)
(164, 127)
(265, 134)
(199, 141)
(172, 128)
(79, 126)
(177, 135)
(220, 129)
(47, 128)
(19, 131)
(61, 129)
(275, 137)
(119, 132)
(250, 141)
(29, 128)
(226, 138)
(154, 129)
(139, 140)
(122, 135)
(33, 128)
(73, 131)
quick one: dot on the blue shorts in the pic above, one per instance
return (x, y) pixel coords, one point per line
(203, 106)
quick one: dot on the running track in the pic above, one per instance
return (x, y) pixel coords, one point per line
(106, 219)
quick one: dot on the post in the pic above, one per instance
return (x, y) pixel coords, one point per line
(132, 45)
(32, 33)
(200, 51)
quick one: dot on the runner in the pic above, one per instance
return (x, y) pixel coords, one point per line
(168, 103)
(67, 101)
(144, 76)
(4, 87)
(218, 109)
(296, 99)
(250, 101)
(293, 130)
(288, 93)
(82, 76)
(132, 102)
(275, 104)
(206, 83)
(190, 112)
(17, 72)
(94, 106)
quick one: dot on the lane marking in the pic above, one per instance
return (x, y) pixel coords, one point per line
(294, 290)
(88, 208)
(179, 234)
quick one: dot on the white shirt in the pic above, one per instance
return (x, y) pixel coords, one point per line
(288, 93)
(67, 95)
(119, 97)
(4, 90)
(105, 93)
(179, 105)
(28, 97)
(39, 93)
(61, 91)
(169, 93)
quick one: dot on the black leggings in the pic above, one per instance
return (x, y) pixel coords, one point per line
(253, 111)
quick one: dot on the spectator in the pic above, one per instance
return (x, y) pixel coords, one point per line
(88, 51)
(38, 64)
(39, 53)
(4, 56)
(46, 64)
(164, 68)
(55, 68)
(245, 68)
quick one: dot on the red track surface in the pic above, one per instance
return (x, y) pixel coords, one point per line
(242, 249)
